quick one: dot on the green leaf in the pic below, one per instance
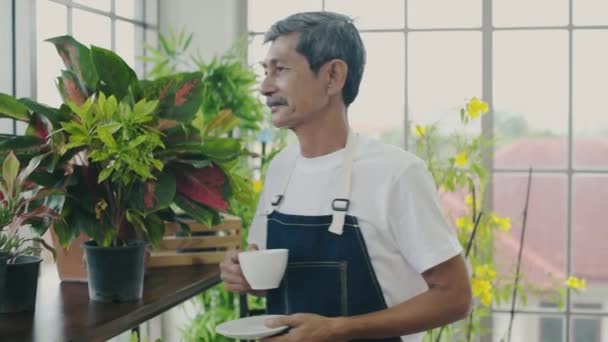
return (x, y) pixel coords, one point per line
(65, 232)
(52, 114)
(143, 107)
(77, 58)
(11, 108)
(104, 134)
(10, 170)
(83, 110)
(46, 246)
(136, 220)
(137, 141)
(197, 211)
(75, 129)
(114, 74)
(222, 149)
(23, 146)
(104, 174)
(156, 229)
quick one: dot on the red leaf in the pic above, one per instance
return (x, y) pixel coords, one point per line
(72, 92)
(181, 95)
(203, 186)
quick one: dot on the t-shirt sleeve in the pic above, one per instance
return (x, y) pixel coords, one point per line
(257, 231)
(417, 220)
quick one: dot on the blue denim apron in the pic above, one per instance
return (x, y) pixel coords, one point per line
(329, 271)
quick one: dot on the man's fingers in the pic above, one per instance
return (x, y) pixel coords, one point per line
(233, 279)
(292, 321)
(233, 255)
(236, 288)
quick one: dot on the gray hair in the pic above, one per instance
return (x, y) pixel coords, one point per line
(325, 36)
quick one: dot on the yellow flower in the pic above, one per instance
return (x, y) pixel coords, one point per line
(576, 283)
(483, 290)
(477, 107)
(257, 185)
(486, 298)
(485, 271)
(461, 159)
(468, 200)
(503, 223)
(419, 131)
(464, 223)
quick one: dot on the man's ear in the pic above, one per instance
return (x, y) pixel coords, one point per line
(336, 74)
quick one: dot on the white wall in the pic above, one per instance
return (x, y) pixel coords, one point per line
(216, 24)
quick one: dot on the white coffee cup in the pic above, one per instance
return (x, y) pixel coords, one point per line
(264, 269)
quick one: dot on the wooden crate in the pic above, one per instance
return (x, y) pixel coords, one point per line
(177, 251)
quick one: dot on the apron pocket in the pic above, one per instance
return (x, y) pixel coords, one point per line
(316, 287)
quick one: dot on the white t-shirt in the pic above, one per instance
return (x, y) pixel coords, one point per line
(394, 199)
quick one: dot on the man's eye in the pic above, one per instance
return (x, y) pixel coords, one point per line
(281, 69)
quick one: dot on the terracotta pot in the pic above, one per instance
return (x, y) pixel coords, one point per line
(70, 262)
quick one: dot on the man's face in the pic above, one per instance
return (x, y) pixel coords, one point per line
(293, 92)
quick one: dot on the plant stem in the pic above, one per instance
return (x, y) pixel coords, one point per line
(521, 248)
(470, 326)
(466, 256)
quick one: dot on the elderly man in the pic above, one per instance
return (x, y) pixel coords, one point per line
(370, 254)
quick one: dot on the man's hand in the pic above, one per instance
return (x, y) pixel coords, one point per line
(306, 327)
(231, 274)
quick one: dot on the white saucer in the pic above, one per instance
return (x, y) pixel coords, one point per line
(249, 328)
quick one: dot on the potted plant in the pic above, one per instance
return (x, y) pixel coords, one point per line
(129, 156)
(21, 206)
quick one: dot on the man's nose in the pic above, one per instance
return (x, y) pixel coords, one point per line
(268, 87)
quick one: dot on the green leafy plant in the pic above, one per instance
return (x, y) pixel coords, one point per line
(128, 153)
(227, 83)
(21, 205)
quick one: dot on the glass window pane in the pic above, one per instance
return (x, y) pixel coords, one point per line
(256, 54)
(543, 258)
(439, 80)
(443, 13)
(368, 15)
(529, 327)
(510, 13)
(104, 5)
(151, 39)
(590, 12)
(586, 329)
(531, 98)
(378, 109)
(264, 13)
(126, 41)
(6, 55)
(589, 237)
(51, 21)
(589, 98)
(151, 12)
(127, 9)
(92, 29)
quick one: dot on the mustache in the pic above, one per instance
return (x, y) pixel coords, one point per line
(276, 101)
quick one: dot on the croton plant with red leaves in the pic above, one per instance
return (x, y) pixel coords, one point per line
(125, 152)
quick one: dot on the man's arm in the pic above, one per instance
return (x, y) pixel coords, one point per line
(448, 299)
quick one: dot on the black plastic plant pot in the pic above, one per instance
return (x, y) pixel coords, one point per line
(115, 274)
(20, 285)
